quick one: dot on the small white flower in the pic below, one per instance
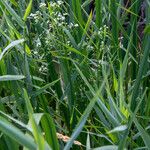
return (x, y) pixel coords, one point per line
(60, 17)
(59, 2)
(70, 25)
(52, 4)
(38, 43)
(105, 26)
(99, 33)
(68, 42)
(35, 52)
(76, 25)
(60, 24)
(40, 69)
(102, 42)
(121, 45)
(100, 29)
(42, 5)
(38, 12)
(46, 41)
(33, 15)
(65, 14)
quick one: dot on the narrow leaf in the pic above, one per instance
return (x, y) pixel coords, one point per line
(11, 45)
(118, 129)
(13, 13)
(28, 10)
(11, 77)
(16, 134)
(81, 122)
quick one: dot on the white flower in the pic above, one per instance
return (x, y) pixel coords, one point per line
(59, 2)
(35, 52)
(38, 43)
(76, 25)
(65, 14)
(99, 32)
(70, 25)
(42, 5)
(52, 4)
(33, 15)
(60, 17)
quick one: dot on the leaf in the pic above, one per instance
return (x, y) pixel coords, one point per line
(42, 89)
(113, 120)
(42, 145)
(28, 10)
(13, 13)
(14, 2)
(16, 121)
(87, 26)
(38, 79)
(82, 122)
(99, 17)
(71, 49)
(16, 134)
(88, 145)
(48, 128)
(11, 45)
(145, 136)
(147, 29)
(109, 147)
(140, 73)
(118, 129)
(71, 38)
(11, 77)
(87, 2)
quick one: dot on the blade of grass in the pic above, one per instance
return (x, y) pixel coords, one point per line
(140, 74)
(42, 89)
(11, 77)
(98, 5)
(16, 134)
(113, 120)
(28, 10)
(81, 122)
(13, 13)
(11, 45)
(36, 130)
(48, 128)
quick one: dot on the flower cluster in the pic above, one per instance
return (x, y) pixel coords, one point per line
(50, 21)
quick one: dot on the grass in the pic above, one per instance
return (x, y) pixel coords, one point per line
(71, 78)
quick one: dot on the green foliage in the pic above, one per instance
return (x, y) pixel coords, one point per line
(72, 78)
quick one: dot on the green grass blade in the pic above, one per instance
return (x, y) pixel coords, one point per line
(42, 89)
(88, 144)
(115, 27)
(48, 128)
(109, 147)
(11, 77)
(98, 5)
(13, 13)
(16, 134)
(81, 122)
(140, 74)
(11, 45)
(118, 129)
(100, 103)
(143, 133)
(28, 10)
(71, 38)
(36, 130)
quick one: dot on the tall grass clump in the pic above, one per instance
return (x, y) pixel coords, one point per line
(74, 74)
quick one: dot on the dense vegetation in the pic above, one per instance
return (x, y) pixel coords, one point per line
(74, 74)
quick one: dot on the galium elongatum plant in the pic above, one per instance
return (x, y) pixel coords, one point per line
(74, 74)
